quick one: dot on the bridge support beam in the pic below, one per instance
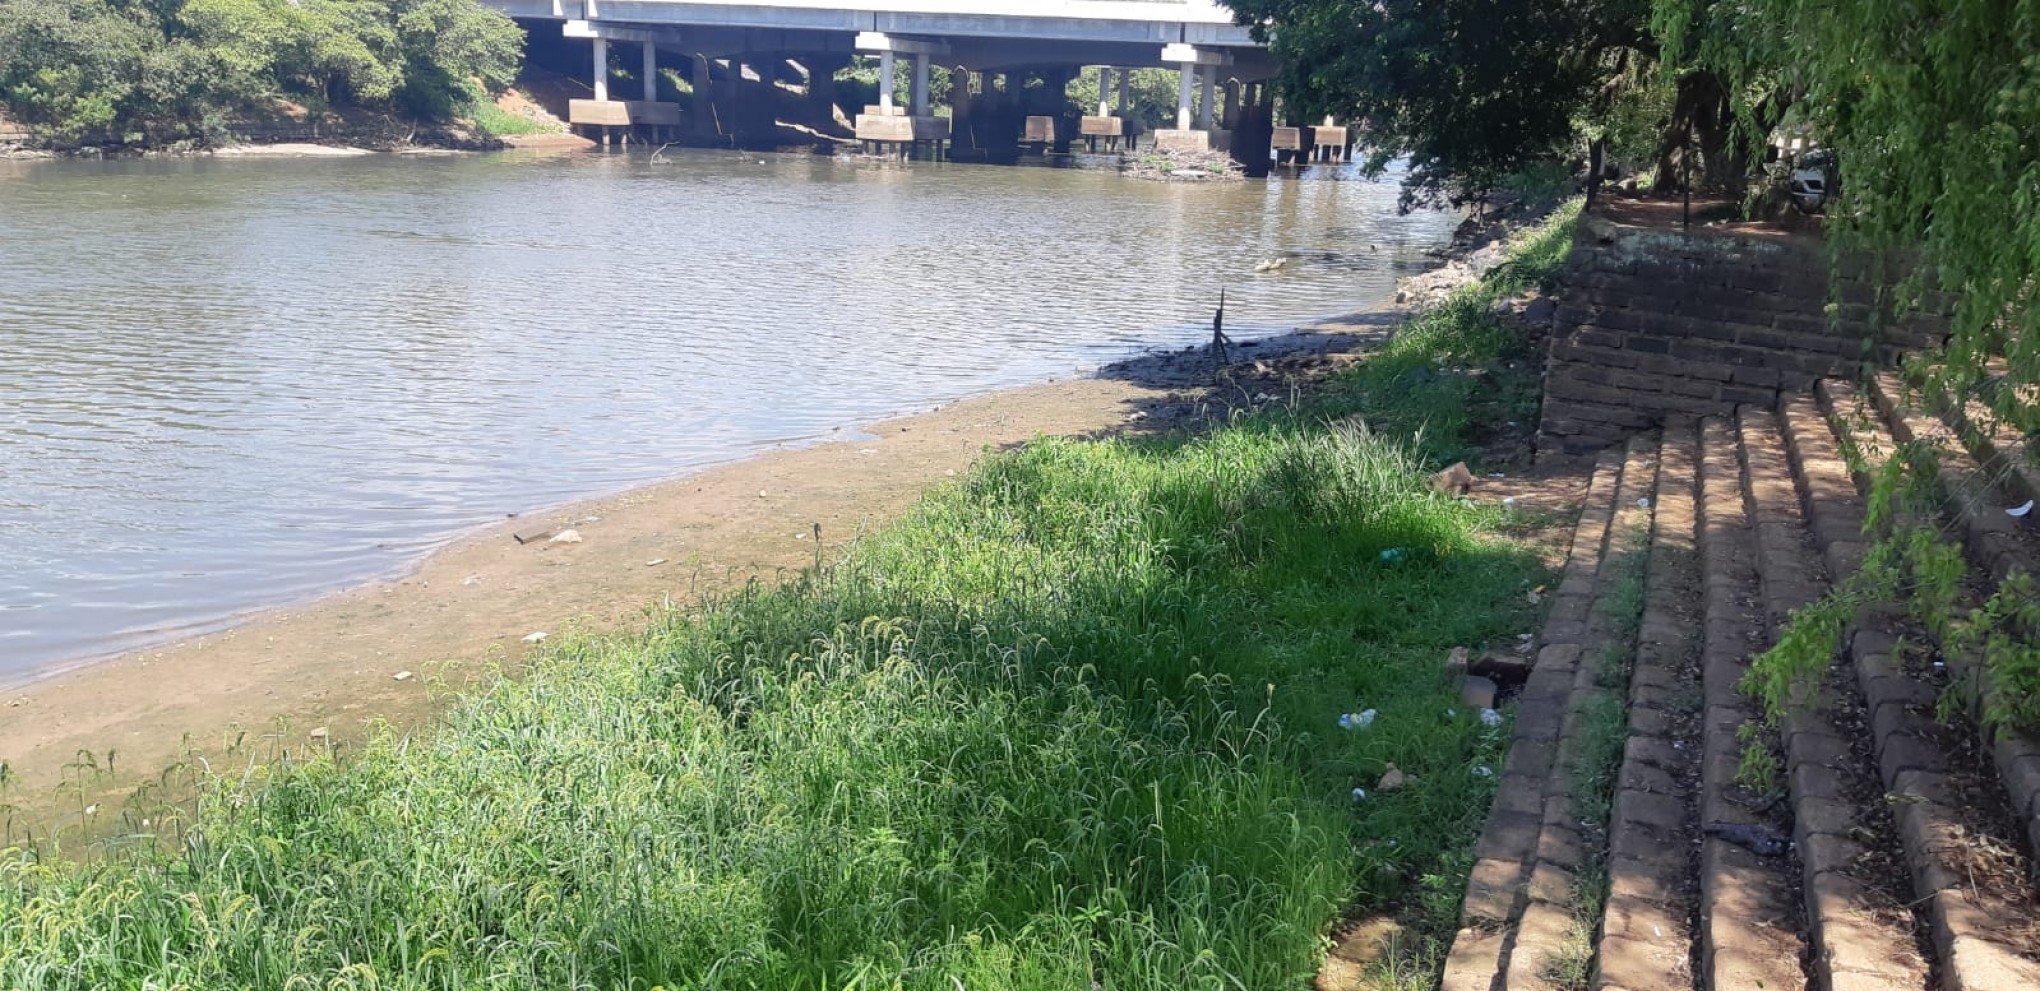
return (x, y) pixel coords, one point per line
(918, 95)
(1198, 77)
(651, 71)
(1206, 85)
(704, 98)
(601, 73)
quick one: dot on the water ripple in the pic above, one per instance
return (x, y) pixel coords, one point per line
(229, 384)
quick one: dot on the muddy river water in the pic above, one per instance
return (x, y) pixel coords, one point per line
(232, 384)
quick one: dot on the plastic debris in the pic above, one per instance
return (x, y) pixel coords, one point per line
(1762, 840)
(1508, 502)
(1357, 720)
(1483, 771)
(1392, 554)
(536, 637)
(1490, 717)
(1359, 794)
(401, 676)
(2020, 512)
(566, 537)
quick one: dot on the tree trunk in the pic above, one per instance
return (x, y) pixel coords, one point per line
(1701, 126)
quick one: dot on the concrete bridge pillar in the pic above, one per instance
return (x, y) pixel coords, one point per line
(918, 96)
(1206, 112)
(821, 89)
(1055, 95)
(885, 79)
(703, 106)
(651, 71)
(1104, 90)
(601, 75)
(960, 116)
(1198, 77)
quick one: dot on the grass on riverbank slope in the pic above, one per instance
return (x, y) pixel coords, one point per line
(1073, 723)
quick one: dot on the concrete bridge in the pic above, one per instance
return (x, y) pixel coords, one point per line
(1009, 61)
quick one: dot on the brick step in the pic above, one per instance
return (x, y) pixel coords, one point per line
(1809, 275)
(1804, 310)
(1723, 528)
(1646, 937)
(1810, 282)
(1749, 920)
(1861, 931)
(1620, 322)
(1996, 542)
(2009, 457)
(1525, 855)
(1567, 880)
(1965, 859)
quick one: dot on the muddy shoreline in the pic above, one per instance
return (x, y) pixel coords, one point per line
(348, 661)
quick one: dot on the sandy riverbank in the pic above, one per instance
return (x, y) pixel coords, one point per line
(334, 663)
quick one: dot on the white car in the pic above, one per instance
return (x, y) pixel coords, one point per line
(1811, 184)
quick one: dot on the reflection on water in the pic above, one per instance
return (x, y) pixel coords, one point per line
(230, 384)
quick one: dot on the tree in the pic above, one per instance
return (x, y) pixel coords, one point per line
(108, 69)
(1469, 90)
(67, 63)
(1932, 107)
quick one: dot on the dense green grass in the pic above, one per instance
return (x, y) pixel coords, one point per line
(1446, 372)
(1073, 723)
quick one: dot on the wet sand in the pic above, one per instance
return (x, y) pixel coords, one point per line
(334, 663)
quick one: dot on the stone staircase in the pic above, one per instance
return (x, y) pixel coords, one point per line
(1890, 849)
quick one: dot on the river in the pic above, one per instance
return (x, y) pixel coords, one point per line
(229, 384)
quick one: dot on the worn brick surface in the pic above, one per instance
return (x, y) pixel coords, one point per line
(1508, 836)
(1972, 944)
(1749, 912)
(1475, 959)
(1542, 938)
(1664, 813)
(1492, 889)
(1529, 759)
(1642, 962)
(1693, 335)
(1860, 939)
(1527, 847)
(1906, 752)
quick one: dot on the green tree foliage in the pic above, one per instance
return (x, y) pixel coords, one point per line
(117, 69)
(1933, 107)
(1153, 92)
(1469, 90)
